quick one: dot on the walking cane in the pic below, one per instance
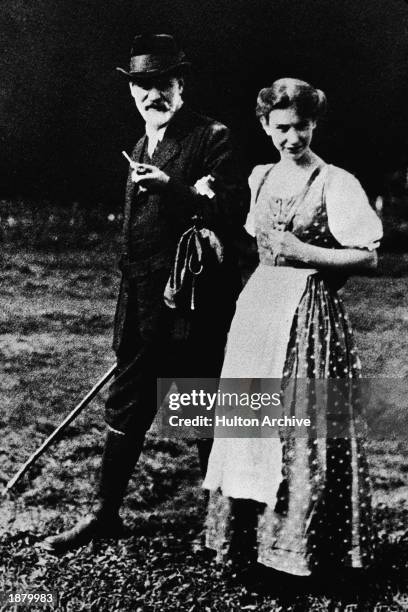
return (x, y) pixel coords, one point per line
(71, 416)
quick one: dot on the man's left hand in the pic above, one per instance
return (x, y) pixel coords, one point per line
(150, 177)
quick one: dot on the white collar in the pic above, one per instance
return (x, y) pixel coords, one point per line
(155, 134)
(153, 137)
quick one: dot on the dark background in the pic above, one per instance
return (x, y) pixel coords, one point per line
(66, 114)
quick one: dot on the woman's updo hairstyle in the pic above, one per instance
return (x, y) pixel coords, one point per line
(310, 103)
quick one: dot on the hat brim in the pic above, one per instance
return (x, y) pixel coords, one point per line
(145, 75)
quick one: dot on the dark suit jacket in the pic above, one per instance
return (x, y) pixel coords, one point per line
(193, 146)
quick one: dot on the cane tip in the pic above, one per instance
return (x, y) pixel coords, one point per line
(5, 492)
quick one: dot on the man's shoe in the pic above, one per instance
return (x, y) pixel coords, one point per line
(90, 528)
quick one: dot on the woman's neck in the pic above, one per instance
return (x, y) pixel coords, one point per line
(307, 160)
(289, 176)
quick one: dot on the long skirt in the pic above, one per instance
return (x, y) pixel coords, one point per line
(294, 503)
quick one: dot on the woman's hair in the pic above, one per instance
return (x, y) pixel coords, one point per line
(310, 103)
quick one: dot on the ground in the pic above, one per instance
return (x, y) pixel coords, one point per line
(56, 314)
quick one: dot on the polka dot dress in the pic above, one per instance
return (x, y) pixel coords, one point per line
(322, 516)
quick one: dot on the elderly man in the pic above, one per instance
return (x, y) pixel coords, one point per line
(182, 168)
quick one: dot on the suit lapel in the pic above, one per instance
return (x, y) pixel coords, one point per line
(138, 150)
(136, 156)
(170, 146)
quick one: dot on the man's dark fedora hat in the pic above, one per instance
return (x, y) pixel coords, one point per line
(154, 55)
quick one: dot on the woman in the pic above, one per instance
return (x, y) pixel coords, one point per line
(314, 226)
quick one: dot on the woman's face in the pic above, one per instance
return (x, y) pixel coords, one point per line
(290, 133)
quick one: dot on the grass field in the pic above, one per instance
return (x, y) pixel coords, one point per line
(55, 323)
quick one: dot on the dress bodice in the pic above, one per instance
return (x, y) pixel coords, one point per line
(331, 211)
(304, 214)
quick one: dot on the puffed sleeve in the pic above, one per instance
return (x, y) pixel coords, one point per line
(255, 178)
(352, 220)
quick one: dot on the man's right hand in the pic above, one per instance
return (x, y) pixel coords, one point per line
(149, 177)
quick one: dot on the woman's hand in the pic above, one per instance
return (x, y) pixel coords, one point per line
(286, 244)
(150, 177)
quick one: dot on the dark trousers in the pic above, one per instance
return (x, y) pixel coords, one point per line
(133, 401)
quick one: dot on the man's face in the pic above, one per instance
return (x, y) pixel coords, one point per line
(157, 99)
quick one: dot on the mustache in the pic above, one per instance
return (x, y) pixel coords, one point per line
(159, 105)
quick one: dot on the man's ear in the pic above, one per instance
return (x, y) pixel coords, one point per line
(181, 82)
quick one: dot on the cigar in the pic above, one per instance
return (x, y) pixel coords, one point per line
(135, 165)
